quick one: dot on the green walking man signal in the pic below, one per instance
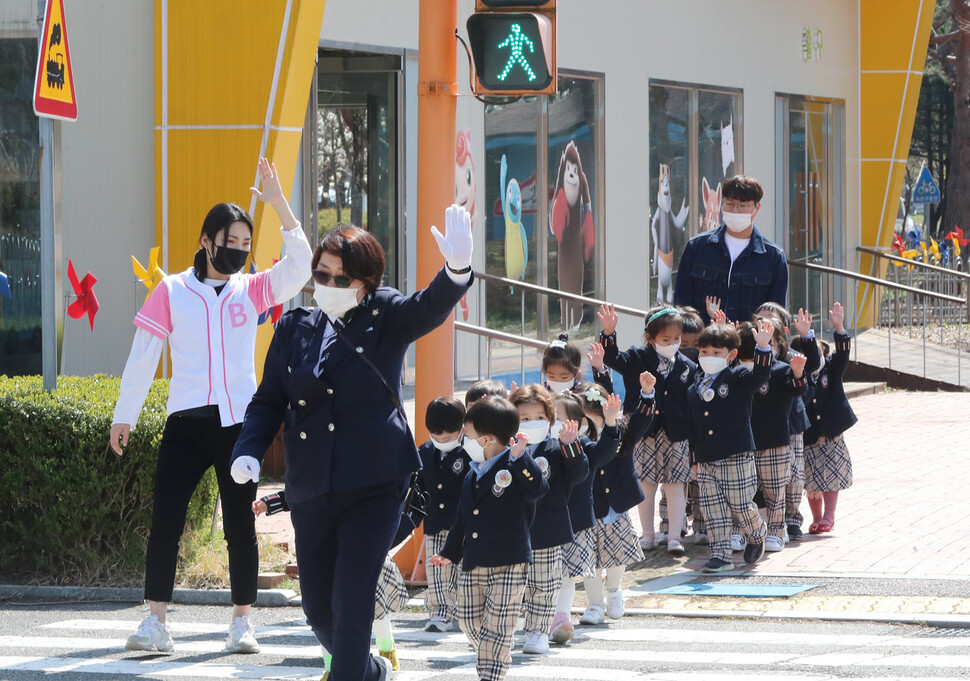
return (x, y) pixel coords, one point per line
(515, 41)
(514, 50)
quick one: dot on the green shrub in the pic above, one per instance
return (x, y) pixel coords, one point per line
(73, 511)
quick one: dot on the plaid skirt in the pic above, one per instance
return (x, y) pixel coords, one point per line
(579, 555)
(657, 459)
(828, 467)
(617, 544)
(392, 594)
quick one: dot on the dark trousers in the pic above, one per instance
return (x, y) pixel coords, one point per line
(342, 539)
(193, 441)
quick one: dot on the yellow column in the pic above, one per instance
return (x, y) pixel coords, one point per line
(232, 81)
(894, 35)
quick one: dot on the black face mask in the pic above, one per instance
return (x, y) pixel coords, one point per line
(228, 260)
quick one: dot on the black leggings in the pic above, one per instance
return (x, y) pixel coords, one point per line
(193, 441)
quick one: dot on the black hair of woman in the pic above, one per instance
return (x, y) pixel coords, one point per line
(218, 220)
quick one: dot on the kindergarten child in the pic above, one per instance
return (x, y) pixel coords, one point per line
(562, 467)
(444, 465)
(828, 467)
(719, 402)
(491, 532)
(485, 387)
(561, 363)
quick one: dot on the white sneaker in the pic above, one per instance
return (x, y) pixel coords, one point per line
(385, 668)
(614, 604)
(701, 539)
(646, 542)
(675, 548)
(787, 538)
(151, 635)
(594, 615)
(438, 624)
(738, 542)
(242, 636)
(536, 643)
(773, 543)
(660, 538)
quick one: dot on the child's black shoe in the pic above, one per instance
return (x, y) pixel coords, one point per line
(753, 552)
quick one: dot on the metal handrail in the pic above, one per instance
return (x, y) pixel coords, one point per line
(500, 335)
(878, 282)
(525, 286)
(913, 263)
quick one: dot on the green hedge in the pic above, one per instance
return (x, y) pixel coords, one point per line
(73, 512)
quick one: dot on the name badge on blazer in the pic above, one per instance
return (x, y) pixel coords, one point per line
(684, 376)
(722, 390)
(543, 463)
(457, 466)
(824, 381)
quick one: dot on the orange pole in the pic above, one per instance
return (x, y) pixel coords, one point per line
(437, 89)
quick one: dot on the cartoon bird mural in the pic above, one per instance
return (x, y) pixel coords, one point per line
(516, 244)
(663, 222)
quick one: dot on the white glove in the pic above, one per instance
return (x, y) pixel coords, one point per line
(456, 244)
(244, 469)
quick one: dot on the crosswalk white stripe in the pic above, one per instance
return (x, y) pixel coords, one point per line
(175, 627)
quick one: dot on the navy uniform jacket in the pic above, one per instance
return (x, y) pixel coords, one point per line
(566, 467)
(492, 525)
(772, 404)
(616, 485)
(342, 431)
(759, 274)
(442, 478)
(671, 399)
(797, 418)
(722, 425)
(599, 453)
(829, 410)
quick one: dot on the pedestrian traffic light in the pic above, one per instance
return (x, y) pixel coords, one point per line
(513, 43)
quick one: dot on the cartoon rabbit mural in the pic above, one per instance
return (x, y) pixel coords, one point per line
(571, 222)
(662, 226)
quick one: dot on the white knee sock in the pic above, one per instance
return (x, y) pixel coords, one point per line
(594, 590)
(383, 635)
(566, 594)
(614, 577)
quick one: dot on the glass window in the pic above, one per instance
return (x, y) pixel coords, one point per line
(20, 320)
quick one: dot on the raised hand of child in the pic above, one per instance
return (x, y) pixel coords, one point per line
(764, 332)
(259, 507)
(569, 433)
(438, 560)
(837, 317)
(612, 409)
(803, 323)
(608, 318)
(797, 364)
(517, 445)
(595, 356)
(719, 317)
(513, 388)
(713, 304)
(647, 382)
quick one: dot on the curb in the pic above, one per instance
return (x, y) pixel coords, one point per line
(265, 598)
(925, 619)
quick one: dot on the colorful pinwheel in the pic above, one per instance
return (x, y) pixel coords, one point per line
(898, 244)
(934, 250)
(87, 301)
(150, 276)
(957, 234)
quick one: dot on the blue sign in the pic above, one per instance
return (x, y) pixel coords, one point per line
(926, 190)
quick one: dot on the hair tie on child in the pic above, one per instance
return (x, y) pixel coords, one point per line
(666, 310)
(557, 344)
(594, 395)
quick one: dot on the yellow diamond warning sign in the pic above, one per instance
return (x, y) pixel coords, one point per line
(54, 84)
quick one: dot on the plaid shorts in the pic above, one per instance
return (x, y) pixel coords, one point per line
(828, 467)
(727, 487)
(657, 459)
(617, 544)
(489, 600)
(773, 467)
(392, 594)
(579, 555)
(542, 588)
(793, 493)
(442, 591)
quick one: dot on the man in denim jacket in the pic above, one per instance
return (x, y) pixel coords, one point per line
(733, 263)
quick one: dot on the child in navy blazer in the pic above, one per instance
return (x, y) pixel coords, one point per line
(562, 468)
(444, 465)
(719, 404)
(561, 365)
(490, 536)
(828, 467)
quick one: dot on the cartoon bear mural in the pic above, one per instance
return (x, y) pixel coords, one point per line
(571, 222)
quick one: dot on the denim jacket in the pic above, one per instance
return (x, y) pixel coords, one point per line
(759, 274)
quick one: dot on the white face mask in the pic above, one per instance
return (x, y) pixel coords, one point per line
(334, 301)
(475, 449)
(555, 430)
(712, 365)
(749, 365)
(446, 447)
(537, 431)
(668, 351)
(559, 386)
(583, 429)
(736, 222)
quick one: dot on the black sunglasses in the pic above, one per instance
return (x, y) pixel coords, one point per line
(323, 278)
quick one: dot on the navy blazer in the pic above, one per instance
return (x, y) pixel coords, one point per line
(759, 274)
(492, 525)
(616, 485)
(772, 404)
(566, 467)
(342, 431)
(829, 410)
(599, 453)
(441, 479)
(671, 399)
(722, 425)
(797, 418)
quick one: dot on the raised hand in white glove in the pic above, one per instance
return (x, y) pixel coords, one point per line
(244, 469)
(456, 244)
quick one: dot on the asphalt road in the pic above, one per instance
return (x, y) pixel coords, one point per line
(85, 642)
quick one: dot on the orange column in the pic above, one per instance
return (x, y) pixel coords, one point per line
(434, 354)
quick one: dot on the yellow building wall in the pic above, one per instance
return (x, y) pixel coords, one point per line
(894, 35)
(232, 81)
